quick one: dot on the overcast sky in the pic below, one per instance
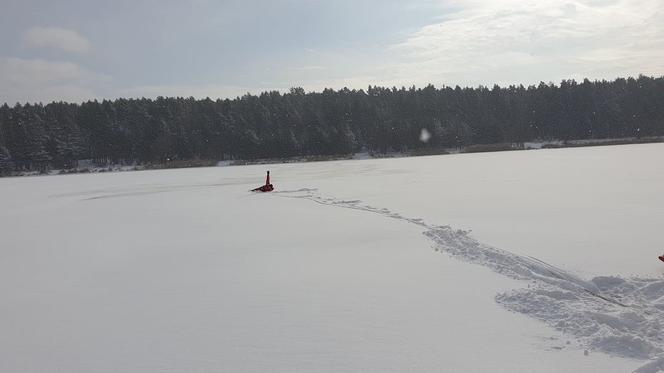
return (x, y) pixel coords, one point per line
(86, 49)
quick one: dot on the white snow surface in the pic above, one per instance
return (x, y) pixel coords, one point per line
(186, 271)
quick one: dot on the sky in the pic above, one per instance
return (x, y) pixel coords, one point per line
(77, 50)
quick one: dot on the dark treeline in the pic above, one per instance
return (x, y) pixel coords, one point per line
(275, 125)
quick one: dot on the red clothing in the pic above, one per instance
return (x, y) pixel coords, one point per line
(264, 188)
(267, 187)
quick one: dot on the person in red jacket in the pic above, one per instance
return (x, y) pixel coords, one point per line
(265, 188)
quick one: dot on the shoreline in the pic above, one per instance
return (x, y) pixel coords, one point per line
(478, 148)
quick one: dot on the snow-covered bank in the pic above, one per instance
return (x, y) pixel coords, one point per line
(87, 166)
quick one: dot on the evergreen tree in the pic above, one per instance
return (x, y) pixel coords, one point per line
(6, 164)
(380, 119)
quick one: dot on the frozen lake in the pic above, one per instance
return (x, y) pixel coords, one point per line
(186, 271)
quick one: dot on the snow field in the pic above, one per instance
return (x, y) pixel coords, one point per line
(184, 270)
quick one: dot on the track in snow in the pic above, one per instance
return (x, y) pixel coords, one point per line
(621, 317)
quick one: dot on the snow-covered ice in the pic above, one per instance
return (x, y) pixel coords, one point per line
(617, 316)
(546, 255)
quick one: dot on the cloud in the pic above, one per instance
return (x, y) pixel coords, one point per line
(30, 80)
(308, 68)
(513, 41)
(56, 38)
(471, 42)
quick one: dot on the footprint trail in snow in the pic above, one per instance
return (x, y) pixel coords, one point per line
(621, 317)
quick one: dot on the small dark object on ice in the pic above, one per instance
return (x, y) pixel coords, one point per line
(265, 188)
(661, 257)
